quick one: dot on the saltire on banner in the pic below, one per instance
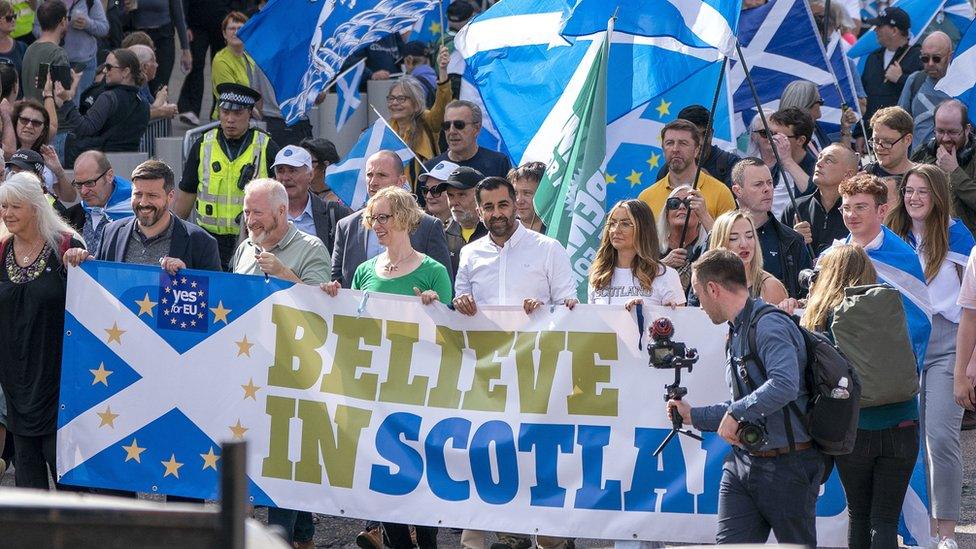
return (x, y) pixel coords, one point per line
(920, 12)
(960, 78)
(301, 46)
(348, 178)
(781, 44)
(386, 409)
(571, 199)
(429, 29)
(347, 93)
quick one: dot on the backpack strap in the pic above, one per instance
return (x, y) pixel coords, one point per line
(754, 357)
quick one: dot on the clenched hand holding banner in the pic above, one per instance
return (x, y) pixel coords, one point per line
(390, 410)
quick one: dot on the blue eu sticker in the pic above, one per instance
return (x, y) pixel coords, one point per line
(183, 299)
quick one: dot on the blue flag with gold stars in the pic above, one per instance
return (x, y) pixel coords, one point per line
(130, 413)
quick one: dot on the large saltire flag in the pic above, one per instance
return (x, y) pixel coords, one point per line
(571, 198)
(133, 416)
(920, 13)
(301, 44)
(348, 178)
(960, 78)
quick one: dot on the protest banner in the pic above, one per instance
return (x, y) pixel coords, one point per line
(380, 407)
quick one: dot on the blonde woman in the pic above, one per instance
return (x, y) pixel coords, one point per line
(627, 269)
(682, 205)
(735, 231)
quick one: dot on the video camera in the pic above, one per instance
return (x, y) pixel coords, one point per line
(666, 353)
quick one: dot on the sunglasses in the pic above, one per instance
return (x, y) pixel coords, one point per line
(819, 102)
(761, 133)
(431, 191)
(932, 58)
(458, 124)
(675, 203)
(32, 122)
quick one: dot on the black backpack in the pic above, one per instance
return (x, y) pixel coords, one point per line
(831, 422)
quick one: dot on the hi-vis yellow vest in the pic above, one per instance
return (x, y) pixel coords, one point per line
(219, 200)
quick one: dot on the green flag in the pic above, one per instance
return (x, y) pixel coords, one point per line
(572, 195)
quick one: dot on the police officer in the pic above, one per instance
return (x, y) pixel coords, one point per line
(220, 163)
(772, 483)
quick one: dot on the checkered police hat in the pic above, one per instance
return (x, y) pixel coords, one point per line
(234, 97)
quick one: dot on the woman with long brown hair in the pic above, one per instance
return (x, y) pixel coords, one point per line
(923, 219)
(627, 268)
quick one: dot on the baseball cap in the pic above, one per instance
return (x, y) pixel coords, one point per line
(462, 178)
(415, 48)
(293, 155)
(27, 159)
(460, 11)
(440, 172)
(895, 17)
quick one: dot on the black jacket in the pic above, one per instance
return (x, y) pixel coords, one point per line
(116, 122)
(189, 243)
(880, 92)
(792, 255)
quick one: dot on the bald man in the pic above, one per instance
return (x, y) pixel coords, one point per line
(919, 96)
(354, 244)
(818, 216)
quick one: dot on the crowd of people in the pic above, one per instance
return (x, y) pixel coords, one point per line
(799, 221)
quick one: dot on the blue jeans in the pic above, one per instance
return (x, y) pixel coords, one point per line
(759, 494)
(875, 476)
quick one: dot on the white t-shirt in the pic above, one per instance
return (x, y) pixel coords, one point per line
(624, 286)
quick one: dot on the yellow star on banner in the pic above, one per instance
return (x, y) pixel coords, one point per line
(435, 28)
(610, 178)
(220, 313)
(107, 417)
(663, 108)
(238, 430)
(634, 178)
(146, 306)
(101, 375)
(133, 451)
(654, 161)
(114, 333)
(244, 346)
(250, 390)
(210, 459)
(172, 467)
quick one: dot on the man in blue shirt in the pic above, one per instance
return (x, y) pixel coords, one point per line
(774, 486)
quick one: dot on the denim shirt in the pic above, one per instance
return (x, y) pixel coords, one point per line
(780, 345)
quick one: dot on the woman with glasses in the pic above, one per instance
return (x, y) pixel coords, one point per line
(118, 118)
(805, 95)
(29, 125)
(683, 205)
(735, 231)
(923, 219)
(627, 269)
(891, 139)
(415, 124)
(232, 64)
(10, 49)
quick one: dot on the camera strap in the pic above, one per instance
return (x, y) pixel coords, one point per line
(640, 327)
(754, 357)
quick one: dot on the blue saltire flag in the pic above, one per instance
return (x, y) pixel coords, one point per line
(961, 243)
(119, 205)
(960, 78)
(348, 178)
(429, 29)
(129, 331)
(301, 46)
(960, 13)
(347, 93)
(920, 12)
(781, 44)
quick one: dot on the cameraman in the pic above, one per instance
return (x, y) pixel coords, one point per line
(775, 484)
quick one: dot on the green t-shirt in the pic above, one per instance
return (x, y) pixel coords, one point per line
(429, 275)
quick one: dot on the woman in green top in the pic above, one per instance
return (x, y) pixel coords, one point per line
(876, 473)
(392, 213)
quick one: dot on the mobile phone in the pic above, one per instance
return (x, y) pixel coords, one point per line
(61, 73)
(42, 71)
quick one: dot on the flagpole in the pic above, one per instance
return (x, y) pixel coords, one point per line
(769, 134)
(702, 153)
(440, 12)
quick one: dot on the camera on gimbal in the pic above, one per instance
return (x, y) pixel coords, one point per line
(666, 353)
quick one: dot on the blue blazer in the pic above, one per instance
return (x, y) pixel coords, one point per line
(193, 245)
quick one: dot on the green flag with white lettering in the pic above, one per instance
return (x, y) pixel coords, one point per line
(572, 195)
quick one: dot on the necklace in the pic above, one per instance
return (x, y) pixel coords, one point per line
(27, 256)
(392, 266)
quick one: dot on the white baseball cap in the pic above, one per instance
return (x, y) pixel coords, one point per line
(440, 172)
(293, 156)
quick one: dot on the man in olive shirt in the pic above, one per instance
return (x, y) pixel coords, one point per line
(274, 246)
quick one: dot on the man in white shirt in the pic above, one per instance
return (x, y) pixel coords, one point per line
(511, 265)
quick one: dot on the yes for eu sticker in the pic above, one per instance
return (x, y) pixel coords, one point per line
(183, 299)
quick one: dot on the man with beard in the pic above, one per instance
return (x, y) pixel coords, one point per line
(465, 225)
(784, 252)
(681, 142)
(952, 150)
(293, 169)
(154, 236)
(274, 246)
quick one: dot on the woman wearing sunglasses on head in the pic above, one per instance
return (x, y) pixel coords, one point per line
(683, 205)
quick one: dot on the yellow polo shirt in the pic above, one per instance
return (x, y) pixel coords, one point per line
(718, 197)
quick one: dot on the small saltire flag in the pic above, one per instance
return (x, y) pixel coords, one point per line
(960, 78)
(348, 178)
(571, 198)
(347, 91)
(301, 46)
